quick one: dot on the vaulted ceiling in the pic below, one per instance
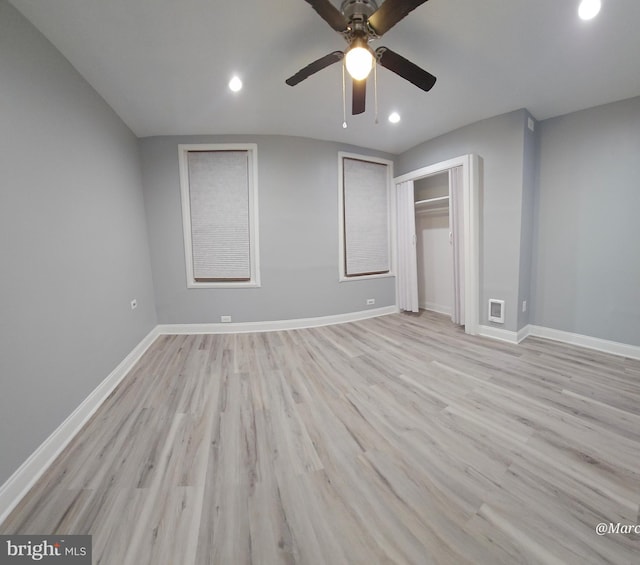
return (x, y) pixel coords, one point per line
(164, 65)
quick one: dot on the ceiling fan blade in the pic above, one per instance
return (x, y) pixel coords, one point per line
(390, 13)
(314, 67)
(330, 14)
(359, 96)
(405, 68)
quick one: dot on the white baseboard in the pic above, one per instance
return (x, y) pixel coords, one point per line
(604, 345)
(498, 333)
(523, 333)
(275, 325)
(18, 484)
(433, 307)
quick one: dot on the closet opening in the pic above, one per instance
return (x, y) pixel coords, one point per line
(438, 243)
(434, 242)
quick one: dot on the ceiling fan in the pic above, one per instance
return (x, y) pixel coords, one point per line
(359, 22)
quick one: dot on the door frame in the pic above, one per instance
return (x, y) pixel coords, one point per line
(471, 206)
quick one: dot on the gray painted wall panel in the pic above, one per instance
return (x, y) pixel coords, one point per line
(73, 244)
(298, 193)
(526, 228)
(587, 261)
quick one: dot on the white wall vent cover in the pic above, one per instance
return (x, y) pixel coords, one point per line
(496, 311)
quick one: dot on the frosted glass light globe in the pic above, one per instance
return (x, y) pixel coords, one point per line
(359, 62)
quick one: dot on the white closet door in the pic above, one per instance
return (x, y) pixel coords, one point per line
(456, 223)
(407, 258)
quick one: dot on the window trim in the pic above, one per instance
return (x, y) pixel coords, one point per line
(254, 254)
(342, 276)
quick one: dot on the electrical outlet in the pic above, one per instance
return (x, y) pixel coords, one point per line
(225, 319)
(371, 301)
(524, 305)
(134, 304)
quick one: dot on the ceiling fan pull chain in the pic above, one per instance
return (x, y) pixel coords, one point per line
(375, 89)
(344, 100)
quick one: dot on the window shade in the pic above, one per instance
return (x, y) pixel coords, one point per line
(219, 205)
(366, 217)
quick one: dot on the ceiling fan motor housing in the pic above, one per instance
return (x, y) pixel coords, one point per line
(358, 12)
(351, 8)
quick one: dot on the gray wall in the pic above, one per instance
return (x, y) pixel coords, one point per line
(499, 142)
(529, 170)
(587, 230)
(73, 244)
(297, 183)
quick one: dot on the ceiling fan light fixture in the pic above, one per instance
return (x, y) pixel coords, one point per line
(359, 22)
(359, 59)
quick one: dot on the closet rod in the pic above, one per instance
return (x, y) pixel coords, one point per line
(429, 200)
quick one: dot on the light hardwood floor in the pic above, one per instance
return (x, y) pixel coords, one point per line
(392, 440)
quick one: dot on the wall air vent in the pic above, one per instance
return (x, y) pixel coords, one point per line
(496, 311)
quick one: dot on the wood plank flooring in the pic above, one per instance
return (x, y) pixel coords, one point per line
(392, 440)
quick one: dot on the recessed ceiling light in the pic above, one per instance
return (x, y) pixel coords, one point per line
(394, 117)
(235, 84)
(589, 9)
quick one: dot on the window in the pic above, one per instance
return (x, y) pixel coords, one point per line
(218, 185)
(365, 217)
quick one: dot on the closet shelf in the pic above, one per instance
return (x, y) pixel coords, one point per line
(431, 200)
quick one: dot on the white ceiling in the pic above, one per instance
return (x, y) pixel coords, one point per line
(164, 65)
